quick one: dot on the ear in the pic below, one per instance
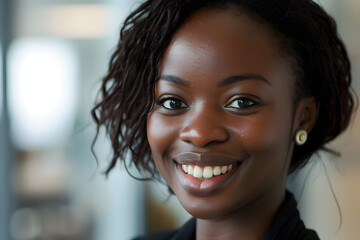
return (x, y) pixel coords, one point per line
(306, 114)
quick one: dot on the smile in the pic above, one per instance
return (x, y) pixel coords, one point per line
(203, 174)
(206, 172)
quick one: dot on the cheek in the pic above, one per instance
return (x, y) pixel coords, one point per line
(269, 131)
(161, 133)
(265, 139)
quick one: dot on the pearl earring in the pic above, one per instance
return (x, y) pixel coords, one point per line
(301, 137)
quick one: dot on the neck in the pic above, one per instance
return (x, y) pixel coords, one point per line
(247, 223)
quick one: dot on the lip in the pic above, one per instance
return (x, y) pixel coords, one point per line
(208, 186)
(205, 159)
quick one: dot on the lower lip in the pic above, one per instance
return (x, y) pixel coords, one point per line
(204, 187)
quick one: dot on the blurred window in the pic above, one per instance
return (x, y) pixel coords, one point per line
(42, 92)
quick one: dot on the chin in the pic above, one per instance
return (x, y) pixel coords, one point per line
(208, 207)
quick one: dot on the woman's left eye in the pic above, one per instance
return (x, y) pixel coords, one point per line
(242, 103)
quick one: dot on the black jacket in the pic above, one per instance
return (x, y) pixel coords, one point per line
(286, 225)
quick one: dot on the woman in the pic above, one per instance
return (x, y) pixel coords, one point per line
(224, 99)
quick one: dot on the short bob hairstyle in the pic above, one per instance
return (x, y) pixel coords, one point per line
(308, 37)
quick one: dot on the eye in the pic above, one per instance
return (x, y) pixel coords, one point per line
(172, 104)
(242, 103)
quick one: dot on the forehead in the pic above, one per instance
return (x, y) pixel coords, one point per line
(224, 25)
(225, 41)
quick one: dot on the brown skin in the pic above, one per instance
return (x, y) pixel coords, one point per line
(211, 46)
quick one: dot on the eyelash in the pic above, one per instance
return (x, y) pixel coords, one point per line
(245, 100)
(181, 105)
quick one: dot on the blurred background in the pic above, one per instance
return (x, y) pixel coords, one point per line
(52, 58)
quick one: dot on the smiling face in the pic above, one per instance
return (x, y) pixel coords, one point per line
(221, 132)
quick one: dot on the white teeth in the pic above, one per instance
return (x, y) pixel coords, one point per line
(198, 172)
(217, 171)
(190, 170)
(206, 172)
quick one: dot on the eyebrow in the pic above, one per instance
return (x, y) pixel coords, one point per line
(175, 79)
(224, 82)
(239, 78)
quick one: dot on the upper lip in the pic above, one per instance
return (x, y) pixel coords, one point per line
(205, 159)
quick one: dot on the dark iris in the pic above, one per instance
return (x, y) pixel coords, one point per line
(244, 103)
(175, 104)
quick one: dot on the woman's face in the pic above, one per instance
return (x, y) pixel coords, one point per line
(221, 132)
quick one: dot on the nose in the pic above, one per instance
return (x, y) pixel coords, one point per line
(203, 128)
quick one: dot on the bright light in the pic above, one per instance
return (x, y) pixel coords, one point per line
(42, 92)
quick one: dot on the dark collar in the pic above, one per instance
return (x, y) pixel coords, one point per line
(188, 231)
(287, 223)
(285, 226)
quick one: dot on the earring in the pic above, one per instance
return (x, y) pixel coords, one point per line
(301, 137)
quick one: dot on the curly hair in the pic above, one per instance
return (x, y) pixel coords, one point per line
(310, 37)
